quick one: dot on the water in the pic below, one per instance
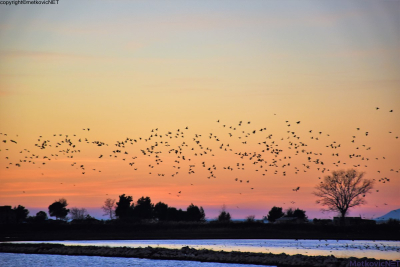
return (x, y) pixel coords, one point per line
(38, 260)
(378, 249)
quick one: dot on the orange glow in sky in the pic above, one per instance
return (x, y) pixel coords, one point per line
(262, 93)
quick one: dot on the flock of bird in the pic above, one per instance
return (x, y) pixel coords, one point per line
(248, 152)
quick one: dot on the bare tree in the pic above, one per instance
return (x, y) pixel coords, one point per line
(78, 214)
(343, 190)
(109, 208)
(251, 218)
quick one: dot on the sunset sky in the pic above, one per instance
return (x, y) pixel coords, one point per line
(141, 70)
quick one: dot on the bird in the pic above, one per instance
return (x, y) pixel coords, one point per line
(257, 150)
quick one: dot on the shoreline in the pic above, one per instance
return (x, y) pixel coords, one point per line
(185, 253)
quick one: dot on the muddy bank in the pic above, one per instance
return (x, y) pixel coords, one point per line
(185, 253)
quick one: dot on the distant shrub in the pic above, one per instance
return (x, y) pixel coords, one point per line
(250, 218)
(224, 217)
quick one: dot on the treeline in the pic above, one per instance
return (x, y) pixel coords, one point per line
(126, 210)
(144, 209)
(276, 213)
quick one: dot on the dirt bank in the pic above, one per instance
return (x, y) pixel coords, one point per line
(185, 253)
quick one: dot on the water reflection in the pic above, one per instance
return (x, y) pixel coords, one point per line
(23, 260)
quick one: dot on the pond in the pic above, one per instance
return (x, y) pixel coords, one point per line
(38, 260)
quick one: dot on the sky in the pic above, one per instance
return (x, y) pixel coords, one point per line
(170, 93)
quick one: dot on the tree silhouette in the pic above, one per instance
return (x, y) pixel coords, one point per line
(301, 214)
(58, 209)
(173, 214)
(194, 213)
(41, 216)
(297, 213)
(274, 214)
(79, 214)
(250, 218)
(289, 212)
(144, 208)
(343, 190)
(21, 213)
(109, 208)
(124, 208)
(161, 211)
(224, 216)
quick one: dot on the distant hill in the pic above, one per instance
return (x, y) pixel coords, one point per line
(394, 214)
